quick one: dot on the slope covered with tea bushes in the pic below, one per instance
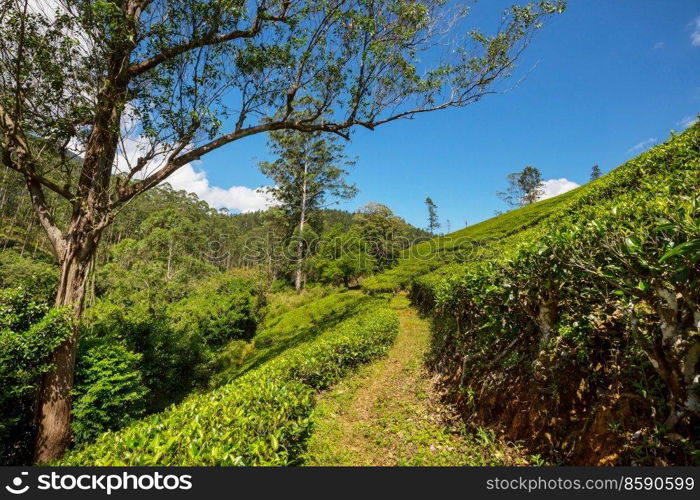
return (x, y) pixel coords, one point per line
(260, 418)
(290, 321)
(586, 316)
(474, 243)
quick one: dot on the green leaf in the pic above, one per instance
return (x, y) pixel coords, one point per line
(681, 249)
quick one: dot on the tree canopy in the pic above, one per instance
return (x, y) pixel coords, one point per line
(524, 187)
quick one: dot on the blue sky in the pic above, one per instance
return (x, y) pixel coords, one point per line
(603, 82)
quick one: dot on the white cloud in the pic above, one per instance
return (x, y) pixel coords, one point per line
(695, 35)
(686, 122)
(640, 146)
(658, 45)
(133, 146)
(555, 187)
(235, 198)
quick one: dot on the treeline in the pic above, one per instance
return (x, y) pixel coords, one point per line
(180, 237)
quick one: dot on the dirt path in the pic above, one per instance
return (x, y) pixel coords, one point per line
(387, 413)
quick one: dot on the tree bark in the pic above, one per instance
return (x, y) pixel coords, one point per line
(54, 398)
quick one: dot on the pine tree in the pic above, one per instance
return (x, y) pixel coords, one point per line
(433, 222)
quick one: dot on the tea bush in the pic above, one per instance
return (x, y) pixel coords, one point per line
(283, 328)
(607, 292)
(492, 238)
(261, 418)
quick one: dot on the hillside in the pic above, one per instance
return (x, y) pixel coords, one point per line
(562, 305)
(583, 308)
(475, 243)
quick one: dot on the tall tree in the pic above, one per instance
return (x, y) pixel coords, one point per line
(307, 174)
(595, 172)
(139, 88)
(433, 221)
(524, 187)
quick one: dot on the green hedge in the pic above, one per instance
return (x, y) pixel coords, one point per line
(262, 418)
(290, 322)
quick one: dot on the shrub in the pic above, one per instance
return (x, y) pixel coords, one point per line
(222, 309)
(36, 276)
(109, 390)
(171, 363)
(178, 343)
(262, 418)
(24, 357)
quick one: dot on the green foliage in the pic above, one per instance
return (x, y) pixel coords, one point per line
(178, 341)
(28, 335)
(605, 292)
(341, 259)
(37, 277)
(109, 389)
(261, 418)
(284, 329)
(222, 309)
(384, 234)
(19, 309)
(494, 238)
(307, 173)
(159, 265)
(433, 221)
(373, 242)
(171, 364)
(524, 188)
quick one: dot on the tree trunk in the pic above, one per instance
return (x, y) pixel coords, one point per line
(300, 263)
(54, 398)
(168, 273)
(298, 283)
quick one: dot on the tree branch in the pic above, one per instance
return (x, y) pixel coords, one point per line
(209, 38)
(15, 141)
(45, 217)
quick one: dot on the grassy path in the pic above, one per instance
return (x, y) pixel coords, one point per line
(387, 413)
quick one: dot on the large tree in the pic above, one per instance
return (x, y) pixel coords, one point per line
(102, 100)
(307, 173)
